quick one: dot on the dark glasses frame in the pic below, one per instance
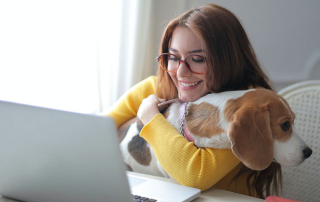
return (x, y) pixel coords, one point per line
(159, 57)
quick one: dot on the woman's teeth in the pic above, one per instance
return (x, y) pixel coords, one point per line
(190, 84)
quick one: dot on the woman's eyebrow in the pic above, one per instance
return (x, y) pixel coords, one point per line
(173, 50)
(193, 51)
(196, 51)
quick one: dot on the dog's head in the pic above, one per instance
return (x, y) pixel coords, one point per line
(262, 130)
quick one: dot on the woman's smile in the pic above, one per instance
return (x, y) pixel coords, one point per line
(184, 85)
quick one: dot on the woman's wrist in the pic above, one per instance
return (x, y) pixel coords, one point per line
(146, 118)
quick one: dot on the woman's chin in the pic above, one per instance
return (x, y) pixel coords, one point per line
(188, 98)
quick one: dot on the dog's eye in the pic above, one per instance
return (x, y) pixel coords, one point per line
(285, 126)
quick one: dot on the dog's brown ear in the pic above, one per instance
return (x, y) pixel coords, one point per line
(251, 137)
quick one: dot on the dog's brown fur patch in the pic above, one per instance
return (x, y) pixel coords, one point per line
(203, 120)
(138, 148)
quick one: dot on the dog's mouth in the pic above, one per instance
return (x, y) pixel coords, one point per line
(292, 152)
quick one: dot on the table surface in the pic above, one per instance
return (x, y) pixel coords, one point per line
(211, 195)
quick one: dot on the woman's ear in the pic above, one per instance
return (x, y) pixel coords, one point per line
(251, 137)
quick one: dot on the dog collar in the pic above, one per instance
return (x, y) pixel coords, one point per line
(183, 129)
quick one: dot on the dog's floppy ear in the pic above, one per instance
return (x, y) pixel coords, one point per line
(251, 137)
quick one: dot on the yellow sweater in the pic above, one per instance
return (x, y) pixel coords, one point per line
(190, 166)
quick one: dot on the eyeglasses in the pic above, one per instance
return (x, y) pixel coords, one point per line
(171, 63)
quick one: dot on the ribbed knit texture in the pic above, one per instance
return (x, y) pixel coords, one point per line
(190, 166)
(187, 164)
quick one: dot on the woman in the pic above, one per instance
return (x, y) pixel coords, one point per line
(205, 50)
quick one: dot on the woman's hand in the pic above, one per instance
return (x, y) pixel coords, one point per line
(149, 108)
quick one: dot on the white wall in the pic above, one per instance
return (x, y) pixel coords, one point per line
(285, 34)
(163, 12)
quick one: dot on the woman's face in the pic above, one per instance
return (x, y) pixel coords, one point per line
(190, 86)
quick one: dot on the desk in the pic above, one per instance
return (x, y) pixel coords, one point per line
(211, 195)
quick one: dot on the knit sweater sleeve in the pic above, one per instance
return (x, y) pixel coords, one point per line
(128, 104)
(187, 164)
(182, 160)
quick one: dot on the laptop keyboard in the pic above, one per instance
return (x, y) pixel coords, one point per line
(138, 198)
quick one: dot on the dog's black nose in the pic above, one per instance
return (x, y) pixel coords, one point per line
(307, 152)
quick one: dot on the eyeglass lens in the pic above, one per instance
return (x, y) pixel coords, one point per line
(195, 63)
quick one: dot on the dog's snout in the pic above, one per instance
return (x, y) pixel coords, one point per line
(307, 152)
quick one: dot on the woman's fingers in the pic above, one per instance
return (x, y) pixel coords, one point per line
(148, 109)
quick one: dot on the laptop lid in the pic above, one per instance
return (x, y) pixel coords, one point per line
(52, 155)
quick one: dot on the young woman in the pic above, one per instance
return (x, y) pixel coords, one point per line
(205, 50)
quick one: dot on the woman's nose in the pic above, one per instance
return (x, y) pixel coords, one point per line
(183, 70)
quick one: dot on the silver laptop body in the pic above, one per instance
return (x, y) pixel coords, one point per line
(50, 155)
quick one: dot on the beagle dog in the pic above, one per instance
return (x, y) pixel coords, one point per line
(256, 124)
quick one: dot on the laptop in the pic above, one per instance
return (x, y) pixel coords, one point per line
(49, 155)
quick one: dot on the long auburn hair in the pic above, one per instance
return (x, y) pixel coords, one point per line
(232, 65)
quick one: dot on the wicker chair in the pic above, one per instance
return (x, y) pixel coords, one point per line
(303, 182)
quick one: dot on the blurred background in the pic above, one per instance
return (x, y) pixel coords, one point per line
(83, 55)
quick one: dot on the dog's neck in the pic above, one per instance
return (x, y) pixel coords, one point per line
(183, 129)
